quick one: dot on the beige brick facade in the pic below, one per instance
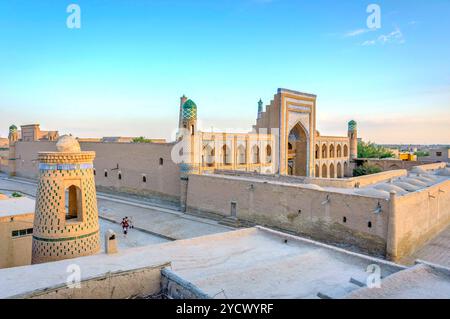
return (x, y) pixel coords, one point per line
(60, 232)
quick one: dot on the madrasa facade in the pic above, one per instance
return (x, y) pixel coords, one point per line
(283, 141)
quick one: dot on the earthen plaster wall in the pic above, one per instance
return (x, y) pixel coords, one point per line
(15, 251)
(133, 161)
(117, 285)
(420, 216)
(352, 182)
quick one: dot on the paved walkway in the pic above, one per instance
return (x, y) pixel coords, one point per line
(165, 222)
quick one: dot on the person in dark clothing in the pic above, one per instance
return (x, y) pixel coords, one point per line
(125, 224)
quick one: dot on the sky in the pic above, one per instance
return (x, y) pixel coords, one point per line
(122, 72)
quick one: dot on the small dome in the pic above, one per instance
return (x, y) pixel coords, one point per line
(352, 125)
(68, 144)
(189, 110)
(13, 128)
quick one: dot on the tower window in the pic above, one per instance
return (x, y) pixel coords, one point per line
(106, 173)
(119, 176)
(144, 179)
(73, 203)
(95, 173)
(161, 161)
(344, 219)
(369, 224)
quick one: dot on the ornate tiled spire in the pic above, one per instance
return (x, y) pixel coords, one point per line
(352, 125)
(260, 108)
(189, 110)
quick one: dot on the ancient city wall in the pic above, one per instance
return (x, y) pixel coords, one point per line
(125, 164)
(326, 216)
(134, 161)
(419, 216)
(26, 158)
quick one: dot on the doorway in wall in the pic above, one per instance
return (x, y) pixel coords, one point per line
(297, 151)
(233, 209)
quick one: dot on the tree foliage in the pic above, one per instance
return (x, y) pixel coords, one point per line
(366, 169)
(371, 150)
(422, 153)
(141, 139)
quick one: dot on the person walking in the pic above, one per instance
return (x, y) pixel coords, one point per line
(125, 224)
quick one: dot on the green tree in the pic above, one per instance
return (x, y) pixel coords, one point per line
(141, 139)
(366, 169)
(371, 150)
(422, 153)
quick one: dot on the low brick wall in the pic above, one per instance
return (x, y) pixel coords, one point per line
(117, 285)
(351, 182)
(419, 216)
(177, 288)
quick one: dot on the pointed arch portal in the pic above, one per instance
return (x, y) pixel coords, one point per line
(298, 153)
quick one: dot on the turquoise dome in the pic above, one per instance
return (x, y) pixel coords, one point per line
(13, 128)
(189, 110)
(352, 125)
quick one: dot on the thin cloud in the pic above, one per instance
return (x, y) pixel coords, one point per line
(395, 37)
(356, 32)
(369, 42)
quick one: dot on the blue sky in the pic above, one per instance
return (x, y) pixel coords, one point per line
(123, 72)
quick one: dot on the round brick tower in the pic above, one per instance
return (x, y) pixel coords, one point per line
(66, 216)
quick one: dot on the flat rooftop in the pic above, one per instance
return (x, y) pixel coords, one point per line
(249, 263)
(16, 206)
(423, 281)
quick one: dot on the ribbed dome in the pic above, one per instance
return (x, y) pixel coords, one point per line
(13, 128)
(189, 110)
(68, 144)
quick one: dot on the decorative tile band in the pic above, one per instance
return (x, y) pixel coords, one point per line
(64, 239)
(66, 167)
